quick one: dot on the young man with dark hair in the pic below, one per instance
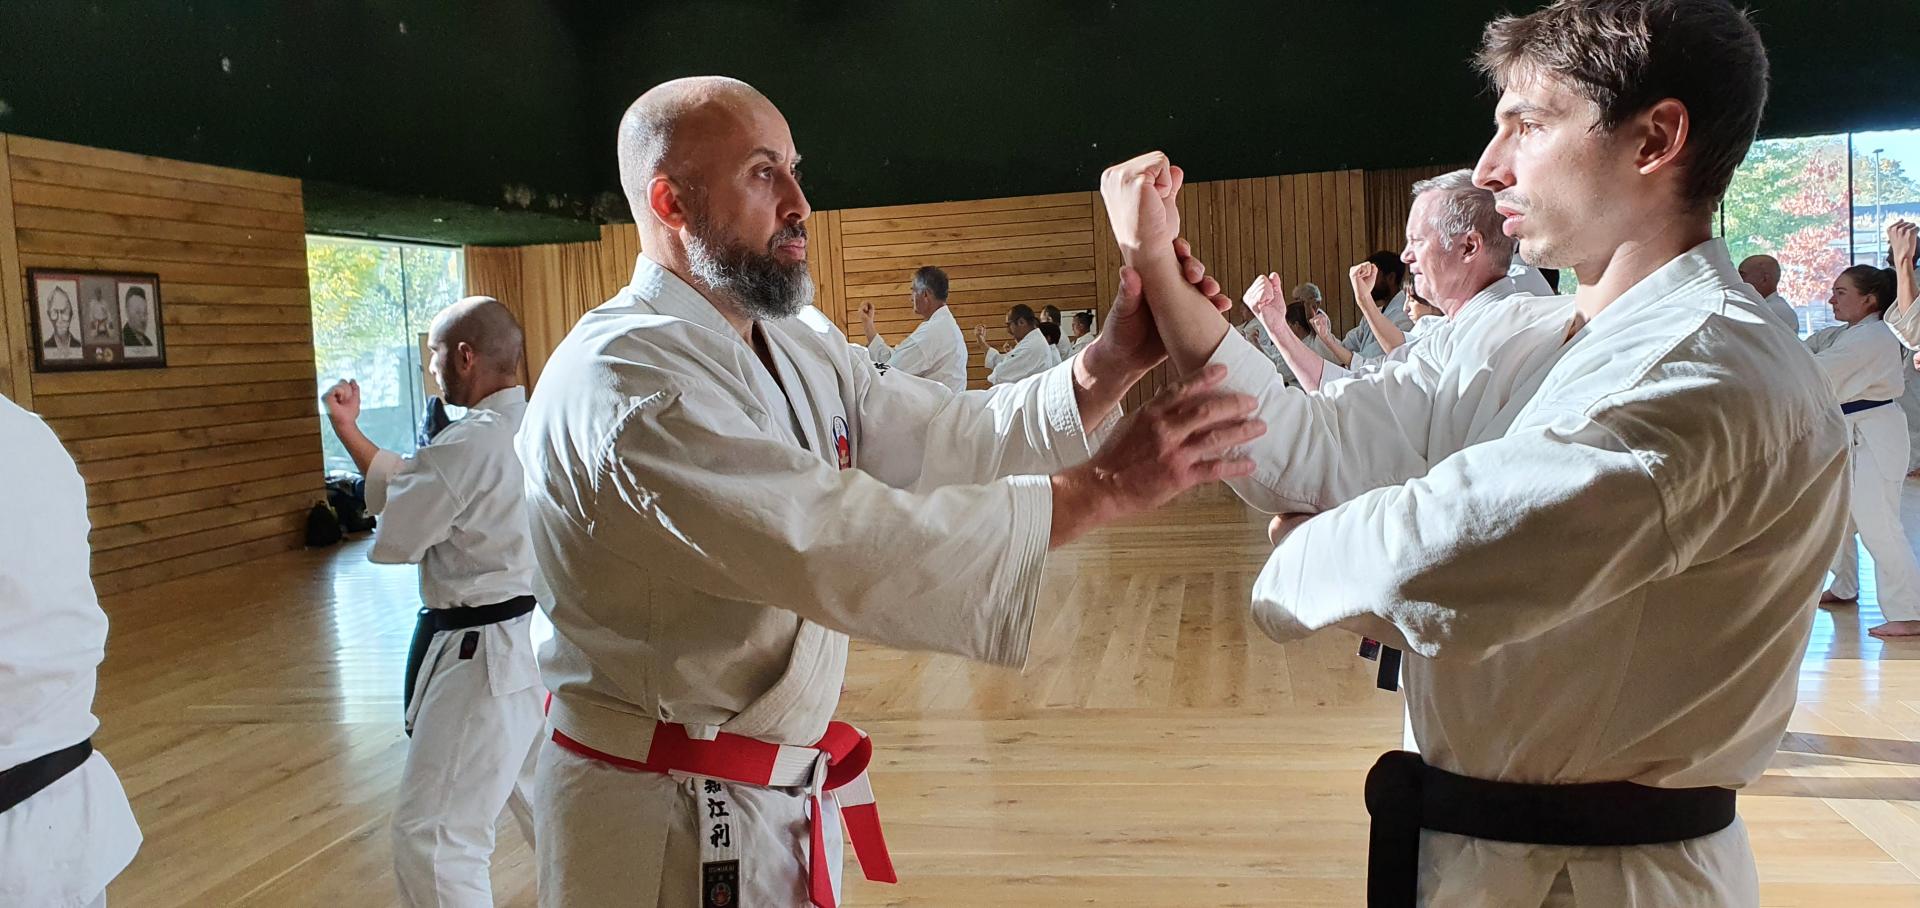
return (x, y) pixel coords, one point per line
(1597, 523)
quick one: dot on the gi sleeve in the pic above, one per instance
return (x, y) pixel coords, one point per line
(416, 500)
(1501, 542)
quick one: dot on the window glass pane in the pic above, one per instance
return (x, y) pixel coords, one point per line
(1886, 188)
(1789, 200)
(371, 301)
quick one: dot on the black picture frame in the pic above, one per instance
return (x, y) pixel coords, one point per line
(101, 329)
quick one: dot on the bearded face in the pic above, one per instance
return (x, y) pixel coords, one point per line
(752, 275)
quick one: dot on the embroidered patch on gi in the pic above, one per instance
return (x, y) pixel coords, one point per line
(842, 443)
(720, 884)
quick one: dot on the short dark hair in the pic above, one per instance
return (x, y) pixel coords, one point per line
(932, 280)
(1879, 283)
(1625, 56)
(1050, 331)
(1021, 312)
(1297, 314)
(1389, 264)
(1051, 312)
(140, 292)
(1083, 319)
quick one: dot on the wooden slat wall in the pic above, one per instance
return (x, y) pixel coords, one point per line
(1036, 250)
(1306, 227)
(215, 459)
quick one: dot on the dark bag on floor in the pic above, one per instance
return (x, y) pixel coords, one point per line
(323, 527)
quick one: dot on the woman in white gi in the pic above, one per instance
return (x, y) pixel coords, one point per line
(1863, 362)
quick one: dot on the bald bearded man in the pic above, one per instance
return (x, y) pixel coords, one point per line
(719, 483)
(472, 696)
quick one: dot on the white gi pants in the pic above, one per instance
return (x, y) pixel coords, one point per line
(1879, 451)
(477, 724)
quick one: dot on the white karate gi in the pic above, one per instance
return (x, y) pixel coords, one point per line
(1864, 362)
(935, 351)
(1528, 279)
(455, 508)
(1031, 356)
(1601, 553)
(711, 533)
(1361, 339)
(61, 847)
(1783, 312)
(1492, 293)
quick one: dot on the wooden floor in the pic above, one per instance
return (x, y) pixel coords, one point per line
(1157, 752)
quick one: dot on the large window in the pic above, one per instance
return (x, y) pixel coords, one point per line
(1819, 204)
(371, 304)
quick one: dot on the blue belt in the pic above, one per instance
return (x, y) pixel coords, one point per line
(1855, 406)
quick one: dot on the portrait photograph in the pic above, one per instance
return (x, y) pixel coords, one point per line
(58, 318)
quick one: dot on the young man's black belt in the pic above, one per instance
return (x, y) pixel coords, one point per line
(1857, 406)
(435, 620)
(1405, 795)
(32, 777)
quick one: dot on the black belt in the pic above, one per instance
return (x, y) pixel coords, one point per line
(32, 777)
(1405, 795)
(1855, 406)
(435, 620)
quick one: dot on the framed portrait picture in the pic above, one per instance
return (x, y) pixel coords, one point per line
(87, 320)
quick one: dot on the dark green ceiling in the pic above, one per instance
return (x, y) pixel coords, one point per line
(491, 121)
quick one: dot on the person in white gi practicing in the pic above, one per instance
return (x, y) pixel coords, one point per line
(1059, 338)
(1385, 303)
(472, 695)
(1082, 330)
(1456, 254)
(723, 491)
(1030, 354)
(1864, 363)
(66, 829)
(1598, 522)
(1762, 273)
(935, 350)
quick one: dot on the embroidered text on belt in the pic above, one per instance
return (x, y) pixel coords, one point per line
(835, 766)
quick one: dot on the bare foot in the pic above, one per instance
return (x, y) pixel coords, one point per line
(1896, 629)
(1829, 599)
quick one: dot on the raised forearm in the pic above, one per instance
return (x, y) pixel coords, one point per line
(1189, 325)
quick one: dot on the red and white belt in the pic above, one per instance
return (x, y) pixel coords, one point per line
(835, 767)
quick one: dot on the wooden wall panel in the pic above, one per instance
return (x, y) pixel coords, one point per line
(16, 356)
(215, 459)
(1033, 250)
